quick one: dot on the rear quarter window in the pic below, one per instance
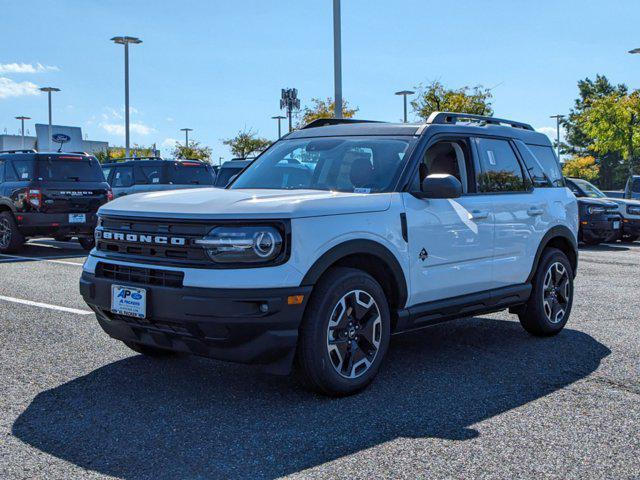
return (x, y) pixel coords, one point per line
(549, 162)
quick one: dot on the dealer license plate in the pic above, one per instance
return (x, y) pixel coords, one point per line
(77, 218)
(616, 225)
(129, 301)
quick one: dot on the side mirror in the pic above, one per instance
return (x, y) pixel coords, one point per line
(440, 185)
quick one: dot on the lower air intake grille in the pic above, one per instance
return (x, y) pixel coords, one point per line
(146, 276)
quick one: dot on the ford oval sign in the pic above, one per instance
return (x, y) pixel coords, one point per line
(60, 138)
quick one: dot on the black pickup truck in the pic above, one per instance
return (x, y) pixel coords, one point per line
(49, 195)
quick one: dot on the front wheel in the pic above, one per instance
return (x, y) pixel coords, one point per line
(345, 333)
(87, 242)
(548, 308)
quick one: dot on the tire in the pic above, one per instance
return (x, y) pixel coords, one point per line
(87, 242)
(347, 316)
(11, 240)
(549, 306)
(629, 238)
(149, 351)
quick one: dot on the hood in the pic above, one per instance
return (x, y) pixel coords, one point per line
(208, 203)
(625, 201)
(597, 201)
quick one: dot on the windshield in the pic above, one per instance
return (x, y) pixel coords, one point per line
(343, 164)
(72, 169)
(589, 189)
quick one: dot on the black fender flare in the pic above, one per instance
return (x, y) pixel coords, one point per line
(7, 205)
(559, 231)
(355, 247)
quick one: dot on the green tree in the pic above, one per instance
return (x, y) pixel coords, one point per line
(612, 125)
(581, 167)
(578, 142)
(115, 153)
(192, 151)
(246, 143)
(323, 109)
(435, 97)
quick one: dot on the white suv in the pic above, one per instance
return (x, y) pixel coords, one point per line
(338, 236)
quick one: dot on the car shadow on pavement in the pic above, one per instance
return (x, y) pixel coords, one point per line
(45, 249)
(190, 417)
(605, 247)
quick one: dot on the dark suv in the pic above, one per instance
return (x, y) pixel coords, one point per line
(49, 195)
(149, 174)
(600, 219)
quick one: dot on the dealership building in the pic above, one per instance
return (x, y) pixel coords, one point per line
(41, 141)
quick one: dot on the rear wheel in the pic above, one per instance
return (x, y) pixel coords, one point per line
(149, 351)
(11, 239)
(345, 333)
(87, 242)
(548, 308)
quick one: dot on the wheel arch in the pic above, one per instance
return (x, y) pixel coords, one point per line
(370, 256)
(562, 238)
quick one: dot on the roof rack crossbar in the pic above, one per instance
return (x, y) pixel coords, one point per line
(451, 117)
(24, 150)
(324, 122)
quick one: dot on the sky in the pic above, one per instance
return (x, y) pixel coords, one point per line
(218, 66)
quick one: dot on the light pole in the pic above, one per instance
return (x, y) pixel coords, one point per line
(404, 93)
(279, 118)
(49, 90)
(126, 41)
(22, 119)
(558, 119)
(337, 60)
(186, 135)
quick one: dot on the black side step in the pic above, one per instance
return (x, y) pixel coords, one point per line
(431, 313)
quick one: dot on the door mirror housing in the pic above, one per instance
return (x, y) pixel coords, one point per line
(440, 185)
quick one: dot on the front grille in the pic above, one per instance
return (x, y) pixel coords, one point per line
(145, 276)
(185, 252)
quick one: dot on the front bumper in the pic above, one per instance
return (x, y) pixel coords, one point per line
(255, 326)
(601, 228)
(631, 226)
(36, 223)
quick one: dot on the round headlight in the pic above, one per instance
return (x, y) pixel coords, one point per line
(633, 209)
(242, 244)
(594, 210)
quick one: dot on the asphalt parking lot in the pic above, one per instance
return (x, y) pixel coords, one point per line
(471, 398)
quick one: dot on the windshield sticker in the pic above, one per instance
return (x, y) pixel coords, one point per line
(155, 180)
(361, 190)
(25, 175)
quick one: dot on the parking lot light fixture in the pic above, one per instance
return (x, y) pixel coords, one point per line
(49, 91)
(279, 118)
(634, 51)
(558, 120)
(22, 119)
(404, 94)
(186, 136)
(126, 41)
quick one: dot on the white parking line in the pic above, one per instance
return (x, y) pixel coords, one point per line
(46, 305)
(39, 259)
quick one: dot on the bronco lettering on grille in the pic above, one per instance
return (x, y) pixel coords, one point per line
(140, 238)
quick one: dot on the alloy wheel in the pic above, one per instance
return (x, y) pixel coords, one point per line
(556, 292)
(354, 334)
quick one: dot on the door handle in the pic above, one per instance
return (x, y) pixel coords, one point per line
(479, 214)
(533, 211)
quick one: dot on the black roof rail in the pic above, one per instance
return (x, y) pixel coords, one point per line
(450, 117)
(150, 157)
(324, 122)
(25, 150)
(80, 153)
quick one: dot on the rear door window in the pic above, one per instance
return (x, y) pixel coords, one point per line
(20, 170)
(500, 169)
(189, 173)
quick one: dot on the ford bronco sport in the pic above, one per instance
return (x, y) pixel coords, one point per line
(336, 237)
(49, 195)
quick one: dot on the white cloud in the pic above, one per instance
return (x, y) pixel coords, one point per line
(26, 68)
(551, 133)
(169, 142)
(9, 88)
(169, 119)
(118, 128)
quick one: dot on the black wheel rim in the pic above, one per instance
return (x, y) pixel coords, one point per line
(556, 292)
(5, 233)
(354, 334)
